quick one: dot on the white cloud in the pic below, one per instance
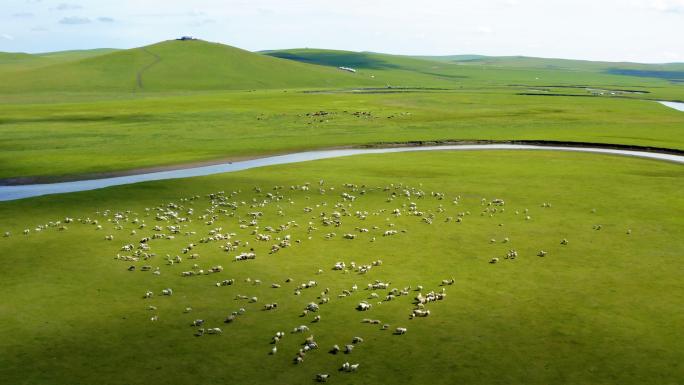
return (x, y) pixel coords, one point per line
(484, 30)
(74, 20)
(7, 36)
(197, 13)
(67, 7)
(670, 6)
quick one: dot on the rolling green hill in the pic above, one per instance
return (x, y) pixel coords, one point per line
(13, 61)
(668, 71)
(176, 65)
(476, 70)
(392, 70)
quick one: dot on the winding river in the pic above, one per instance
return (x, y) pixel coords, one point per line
(676, 105)
(8, 193)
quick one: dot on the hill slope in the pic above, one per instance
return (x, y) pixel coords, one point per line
(489, 70)
(669, 71)
(395, 70)
(178, 65)
(15, 61)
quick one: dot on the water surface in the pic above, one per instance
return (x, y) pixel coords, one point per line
(675, 105)
(8, 193)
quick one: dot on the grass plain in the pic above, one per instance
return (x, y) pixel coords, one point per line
(603, 309)
(598, 310)
(182, 102)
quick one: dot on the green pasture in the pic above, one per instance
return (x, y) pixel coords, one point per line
(78, 113)
(603, 309)
(74, 137)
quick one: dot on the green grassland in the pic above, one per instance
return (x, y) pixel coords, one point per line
(83, 137)
(603, 309)
(174, 65)
(78, 113)
(22, 61)
(567, 75)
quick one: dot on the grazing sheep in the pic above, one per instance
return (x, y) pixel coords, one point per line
(512, 254)
(363, 306)
(316, 318)
(335, 349)
(197, 322)
(348, 349)
(167, 292)
(346, 367)
(339, 266)
(400, 331)
(274, 350)
(322, 377)
(494, 260)
(357, 340)
(541, 253)
(148, 294)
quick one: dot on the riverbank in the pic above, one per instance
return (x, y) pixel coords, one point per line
(14, 192)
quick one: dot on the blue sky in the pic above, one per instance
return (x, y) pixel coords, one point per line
(615, 30)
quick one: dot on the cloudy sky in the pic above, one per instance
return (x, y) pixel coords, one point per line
(615, 30)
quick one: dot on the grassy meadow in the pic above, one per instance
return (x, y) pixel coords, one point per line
(79, 113)
(84, 137)
(602, 308)
(598, 310)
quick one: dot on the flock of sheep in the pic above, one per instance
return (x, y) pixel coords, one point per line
(228, 227)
